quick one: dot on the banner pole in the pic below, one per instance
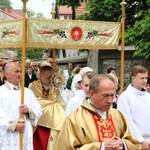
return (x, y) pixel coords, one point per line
(53, 12)
(123, 4)
(23, 67)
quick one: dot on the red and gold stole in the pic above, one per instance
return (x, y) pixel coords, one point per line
(105, 128)
(45, 92)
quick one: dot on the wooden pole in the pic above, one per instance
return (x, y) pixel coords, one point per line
(23, 67)
(53, 12)
(123, 4)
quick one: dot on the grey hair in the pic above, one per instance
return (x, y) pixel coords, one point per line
(7, 67)
(115, 79)
(96, 80)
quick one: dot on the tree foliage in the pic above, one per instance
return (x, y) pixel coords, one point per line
(138, 34)
(33, 54)
(111, 10)
(32, 14)
(137, 21)
(39, 15)
(69, 3)
(5, 3)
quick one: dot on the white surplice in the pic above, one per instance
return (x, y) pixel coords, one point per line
(75, 102)
(135, 106)
(10, 101)
(4, 122)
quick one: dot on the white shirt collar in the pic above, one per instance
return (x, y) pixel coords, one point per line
(103, 114)
(10, 85)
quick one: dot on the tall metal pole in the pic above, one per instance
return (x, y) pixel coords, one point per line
(53, 12)
(123, 4)
(23, 67)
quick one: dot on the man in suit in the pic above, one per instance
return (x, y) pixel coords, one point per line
(30, 76)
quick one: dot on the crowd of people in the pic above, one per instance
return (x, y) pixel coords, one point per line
(73, 108)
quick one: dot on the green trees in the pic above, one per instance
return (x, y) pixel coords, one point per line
(5, 3)
(32, 14)
(39, 15)
(138, 34)
(33, 54)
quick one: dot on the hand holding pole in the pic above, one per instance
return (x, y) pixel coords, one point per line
(21, 120)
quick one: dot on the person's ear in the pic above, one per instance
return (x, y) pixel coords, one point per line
(132, 78)
(91, 93)
(6, 75)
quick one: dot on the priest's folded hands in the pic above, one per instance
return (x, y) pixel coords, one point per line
(145, 145)
(114, 143)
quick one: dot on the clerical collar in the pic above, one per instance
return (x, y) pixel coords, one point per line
(103, 114)
(45, 87)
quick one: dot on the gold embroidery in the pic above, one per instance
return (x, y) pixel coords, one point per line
(105, 128)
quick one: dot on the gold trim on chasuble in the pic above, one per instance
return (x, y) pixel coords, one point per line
(105, 128)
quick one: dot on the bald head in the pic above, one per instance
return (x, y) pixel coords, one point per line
(45, 63)
(102, 90)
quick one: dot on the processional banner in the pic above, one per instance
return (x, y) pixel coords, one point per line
(61, 34)
(11, 34)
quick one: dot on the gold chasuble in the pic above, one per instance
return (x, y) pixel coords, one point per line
(53, 107)
(84, 129)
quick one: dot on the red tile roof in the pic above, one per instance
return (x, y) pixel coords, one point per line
(11, 13)
(64, 10)
(81, 9)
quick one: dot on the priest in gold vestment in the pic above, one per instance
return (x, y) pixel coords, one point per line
(95, 125)
(52, 106)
